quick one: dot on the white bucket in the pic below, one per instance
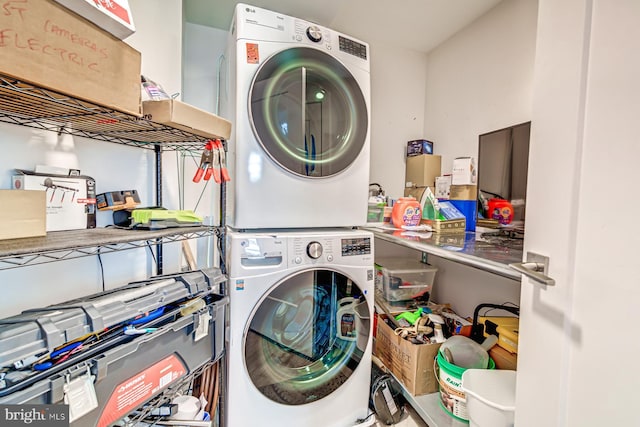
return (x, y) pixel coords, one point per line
(491, 397)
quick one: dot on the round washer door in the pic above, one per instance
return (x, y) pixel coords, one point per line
(308, 112)
(306, 337)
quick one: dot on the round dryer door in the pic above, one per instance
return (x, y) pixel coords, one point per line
(308, 112)
(306, 337)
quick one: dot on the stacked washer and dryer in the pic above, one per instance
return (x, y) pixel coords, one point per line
(300, 274)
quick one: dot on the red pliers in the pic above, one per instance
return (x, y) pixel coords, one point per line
(207, 164)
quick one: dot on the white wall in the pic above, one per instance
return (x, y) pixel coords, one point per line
(398, 79)
(114, 167)
(202, 58)
(477, 81)
(480, 80)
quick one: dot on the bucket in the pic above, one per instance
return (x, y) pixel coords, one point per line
(491, 397)
(452, 396)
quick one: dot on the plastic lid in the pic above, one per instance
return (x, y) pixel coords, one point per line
(496, 388)
(407, 265)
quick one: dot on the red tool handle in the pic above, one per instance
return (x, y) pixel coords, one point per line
(207, 174)
(224, 172)
(198, 176)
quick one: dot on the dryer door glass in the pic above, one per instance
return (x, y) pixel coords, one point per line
(306, 337)
(308, 112)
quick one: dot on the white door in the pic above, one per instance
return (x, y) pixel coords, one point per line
(579, 348)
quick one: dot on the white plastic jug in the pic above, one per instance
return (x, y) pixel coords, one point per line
(466, 353)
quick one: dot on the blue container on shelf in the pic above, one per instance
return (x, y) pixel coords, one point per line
(470, 209)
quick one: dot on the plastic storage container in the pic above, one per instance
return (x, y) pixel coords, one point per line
(120, 373)
(402, 279)
(491, 397)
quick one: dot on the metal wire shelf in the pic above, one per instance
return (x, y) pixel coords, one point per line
(64, 245)
(28, 105)
(180, 387)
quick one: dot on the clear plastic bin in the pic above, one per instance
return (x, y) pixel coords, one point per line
(404, 279)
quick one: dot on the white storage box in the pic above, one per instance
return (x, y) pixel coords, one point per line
(70, 200)
(114, 16)
(402, 279)
(464, 171)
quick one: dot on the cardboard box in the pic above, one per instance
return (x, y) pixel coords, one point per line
(70, 200)
(443, 187)
(503, 359)
(469, 209)
(464, 171)
(113, 16)
(416, 192)
(446, 226)
(418, 147)
(422, 170)
(463, 192)
(412, 364)
(45, 44)
(188, 118)
(22, 214)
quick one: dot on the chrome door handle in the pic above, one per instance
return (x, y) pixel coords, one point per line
(535, 268)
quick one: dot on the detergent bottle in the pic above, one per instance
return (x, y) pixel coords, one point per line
(346, 319)
(406, 212)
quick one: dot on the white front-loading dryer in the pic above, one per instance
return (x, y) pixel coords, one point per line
(300, 329)
(298, 96)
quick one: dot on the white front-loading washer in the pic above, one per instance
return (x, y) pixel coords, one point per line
(300, 330)
(298, 96)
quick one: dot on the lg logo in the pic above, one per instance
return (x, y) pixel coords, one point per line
(248, 9)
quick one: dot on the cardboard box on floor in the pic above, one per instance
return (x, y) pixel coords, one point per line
(22, 214)
(412, 364)
(46, 45)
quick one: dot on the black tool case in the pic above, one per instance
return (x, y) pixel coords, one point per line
(180, 328)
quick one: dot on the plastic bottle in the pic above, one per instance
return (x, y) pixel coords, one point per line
(406, 212)
(346, 319)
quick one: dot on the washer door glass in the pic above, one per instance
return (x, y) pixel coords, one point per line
(308, 112)
(306, 337)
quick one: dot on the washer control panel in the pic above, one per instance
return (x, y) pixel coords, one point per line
(319, 249)
(314, 33)
(356, 246)
(314, 250)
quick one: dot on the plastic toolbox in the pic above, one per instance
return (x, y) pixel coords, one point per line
(403, 279)
(112, 377)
